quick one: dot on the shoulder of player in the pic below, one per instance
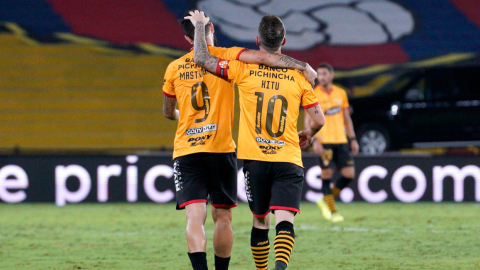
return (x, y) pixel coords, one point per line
(339, 89)
(186, 58)
(172, 65)
(317, 90)
(219, 51)
(240, 64)
(214, 49)
(300, 75)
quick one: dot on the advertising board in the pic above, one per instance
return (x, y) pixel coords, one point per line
(75, 179)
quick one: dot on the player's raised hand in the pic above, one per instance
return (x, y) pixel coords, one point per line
(310, 74)
(305, 138)
(197, 16)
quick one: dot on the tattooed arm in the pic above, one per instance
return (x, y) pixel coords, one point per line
(317, 119)
(315, 123)
(201, 55)
(271, 59)
(209, 62)
(279, 61)
(169, 108)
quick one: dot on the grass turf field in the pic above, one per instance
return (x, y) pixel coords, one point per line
(151, 236)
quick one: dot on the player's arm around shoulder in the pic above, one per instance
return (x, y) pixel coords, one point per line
(278, 60)
(211, 63)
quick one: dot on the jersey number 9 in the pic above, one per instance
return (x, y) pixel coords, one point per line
(206, 100)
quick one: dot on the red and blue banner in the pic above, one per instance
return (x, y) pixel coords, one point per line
(346, 33)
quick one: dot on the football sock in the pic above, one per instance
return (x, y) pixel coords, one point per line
(326, 187)
(330, 200)
(335, 191)
(260, 247)
(328, 195)
(221, 263)
(198, 260)
(283, 244)
(343, 182)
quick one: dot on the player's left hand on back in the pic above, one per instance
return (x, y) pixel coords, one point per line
(197, 16)
(310, 74)
(304, 138)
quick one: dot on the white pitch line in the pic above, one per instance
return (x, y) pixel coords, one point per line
(369, 230)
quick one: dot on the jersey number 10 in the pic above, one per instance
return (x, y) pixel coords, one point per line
(271, 107)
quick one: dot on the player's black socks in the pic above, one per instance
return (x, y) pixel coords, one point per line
(326, 189)
(343, 182)
(221, 263)
(198, 260)
(283, 244)
(260, 247)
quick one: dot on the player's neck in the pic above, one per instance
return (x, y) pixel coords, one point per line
(271, 51)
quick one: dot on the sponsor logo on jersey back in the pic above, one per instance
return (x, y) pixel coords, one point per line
(269, 149)
(199, 130)
(267, 141)
(199, 140)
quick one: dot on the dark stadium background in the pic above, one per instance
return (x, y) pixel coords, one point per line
(80, 84)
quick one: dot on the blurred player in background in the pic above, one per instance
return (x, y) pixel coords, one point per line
(205, 163)
(331, 143)
(268, 140)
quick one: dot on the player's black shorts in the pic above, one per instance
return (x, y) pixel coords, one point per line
(336, 155)
(273, 186)
(202, 174)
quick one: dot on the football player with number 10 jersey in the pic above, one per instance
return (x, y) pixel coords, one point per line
(268, 140)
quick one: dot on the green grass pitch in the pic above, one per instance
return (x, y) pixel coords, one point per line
(152, 236)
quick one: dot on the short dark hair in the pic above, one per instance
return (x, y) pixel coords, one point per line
(189, 28)
(271, 32)
(325, 65)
